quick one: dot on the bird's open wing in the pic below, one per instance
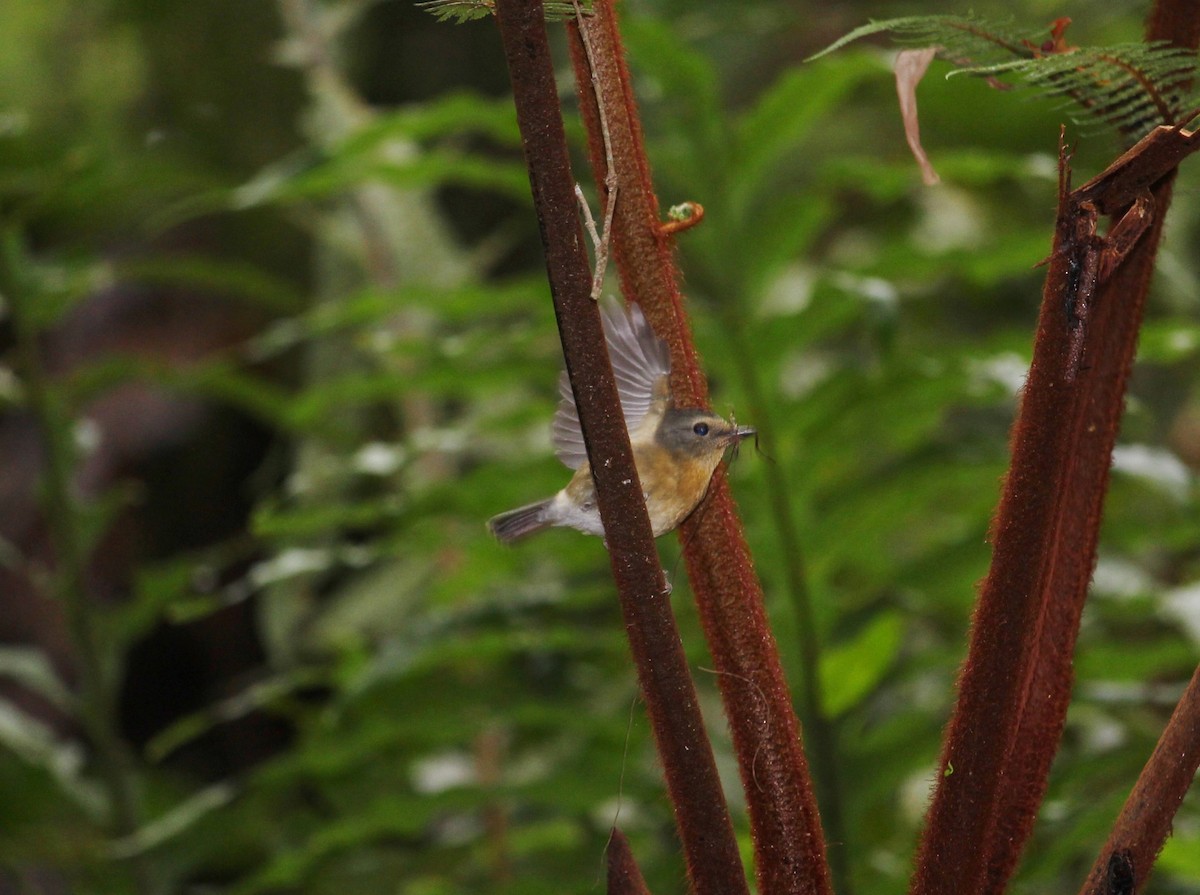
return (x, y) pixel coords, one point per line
(639, 360)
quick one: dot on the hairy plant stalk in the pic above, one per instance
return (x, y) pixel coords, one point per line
(1016, 683)
(788, 842)
(1145, 820)
(714, 865)
(97, 704)
(821, 735)
(624, 877)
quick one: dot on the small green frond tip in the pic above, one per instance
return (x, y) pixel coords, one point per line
(681, 212)
(460, 11)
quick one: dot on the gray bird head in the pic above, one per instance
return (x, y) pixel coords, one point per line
(695, 433)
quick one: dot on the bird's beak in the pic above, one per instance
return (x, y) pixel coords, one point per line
(737, 433)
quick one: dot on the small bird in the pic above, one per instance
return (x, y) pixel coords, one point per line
(676, 450)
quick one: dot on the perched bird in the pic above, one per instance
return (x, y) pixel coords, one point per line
(676, 450)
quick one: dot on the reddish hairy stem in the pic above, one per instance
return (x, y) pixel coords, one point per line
(641, 248)
(1078, 467)
(714, 865)
(789, 846)
(624, 876)
(1175, 20)
(1016, 683)
(1145, 821)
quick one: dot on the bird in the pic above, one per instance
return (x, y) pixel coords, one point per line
(676, 450)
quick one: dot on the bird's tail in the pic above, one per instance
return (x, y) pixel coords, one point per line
(521, 522)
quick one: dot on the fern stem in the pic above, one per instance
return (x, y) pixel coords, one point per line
(705, 829)
(1015, 686)
(819, 728)
(790, 852)
(98, 697)
(1165, 113)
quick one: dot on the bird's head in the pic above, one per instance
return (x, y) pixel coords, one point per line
(692, 434)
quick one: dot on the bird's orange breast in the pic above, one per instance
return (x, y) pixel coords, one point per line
(673, 485)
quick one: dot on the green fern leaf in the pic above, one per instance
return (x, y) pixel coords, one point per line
(960, 37)
(460, 11)
(1128, 87)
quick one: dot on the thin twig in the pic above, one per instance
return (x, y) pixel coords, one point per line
(589, 222)
(610, 172)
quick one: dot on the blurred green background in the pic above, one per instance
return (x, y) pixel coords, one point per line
(274, 309)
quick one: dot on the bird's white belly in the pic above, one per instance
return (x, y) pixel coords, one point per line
(582, 517)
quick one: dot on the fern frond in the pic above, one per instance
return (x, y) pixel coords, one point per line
(460, 11)
(960, 37)
(1128, 87)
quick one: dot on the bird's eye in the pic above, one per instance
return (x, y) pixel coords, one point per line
(700, 428)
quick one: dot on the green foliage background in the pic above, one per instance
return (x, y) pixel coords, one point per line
(460, 717)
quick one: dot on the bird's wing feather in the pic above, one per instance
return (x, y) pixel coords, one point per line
(639, 361)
